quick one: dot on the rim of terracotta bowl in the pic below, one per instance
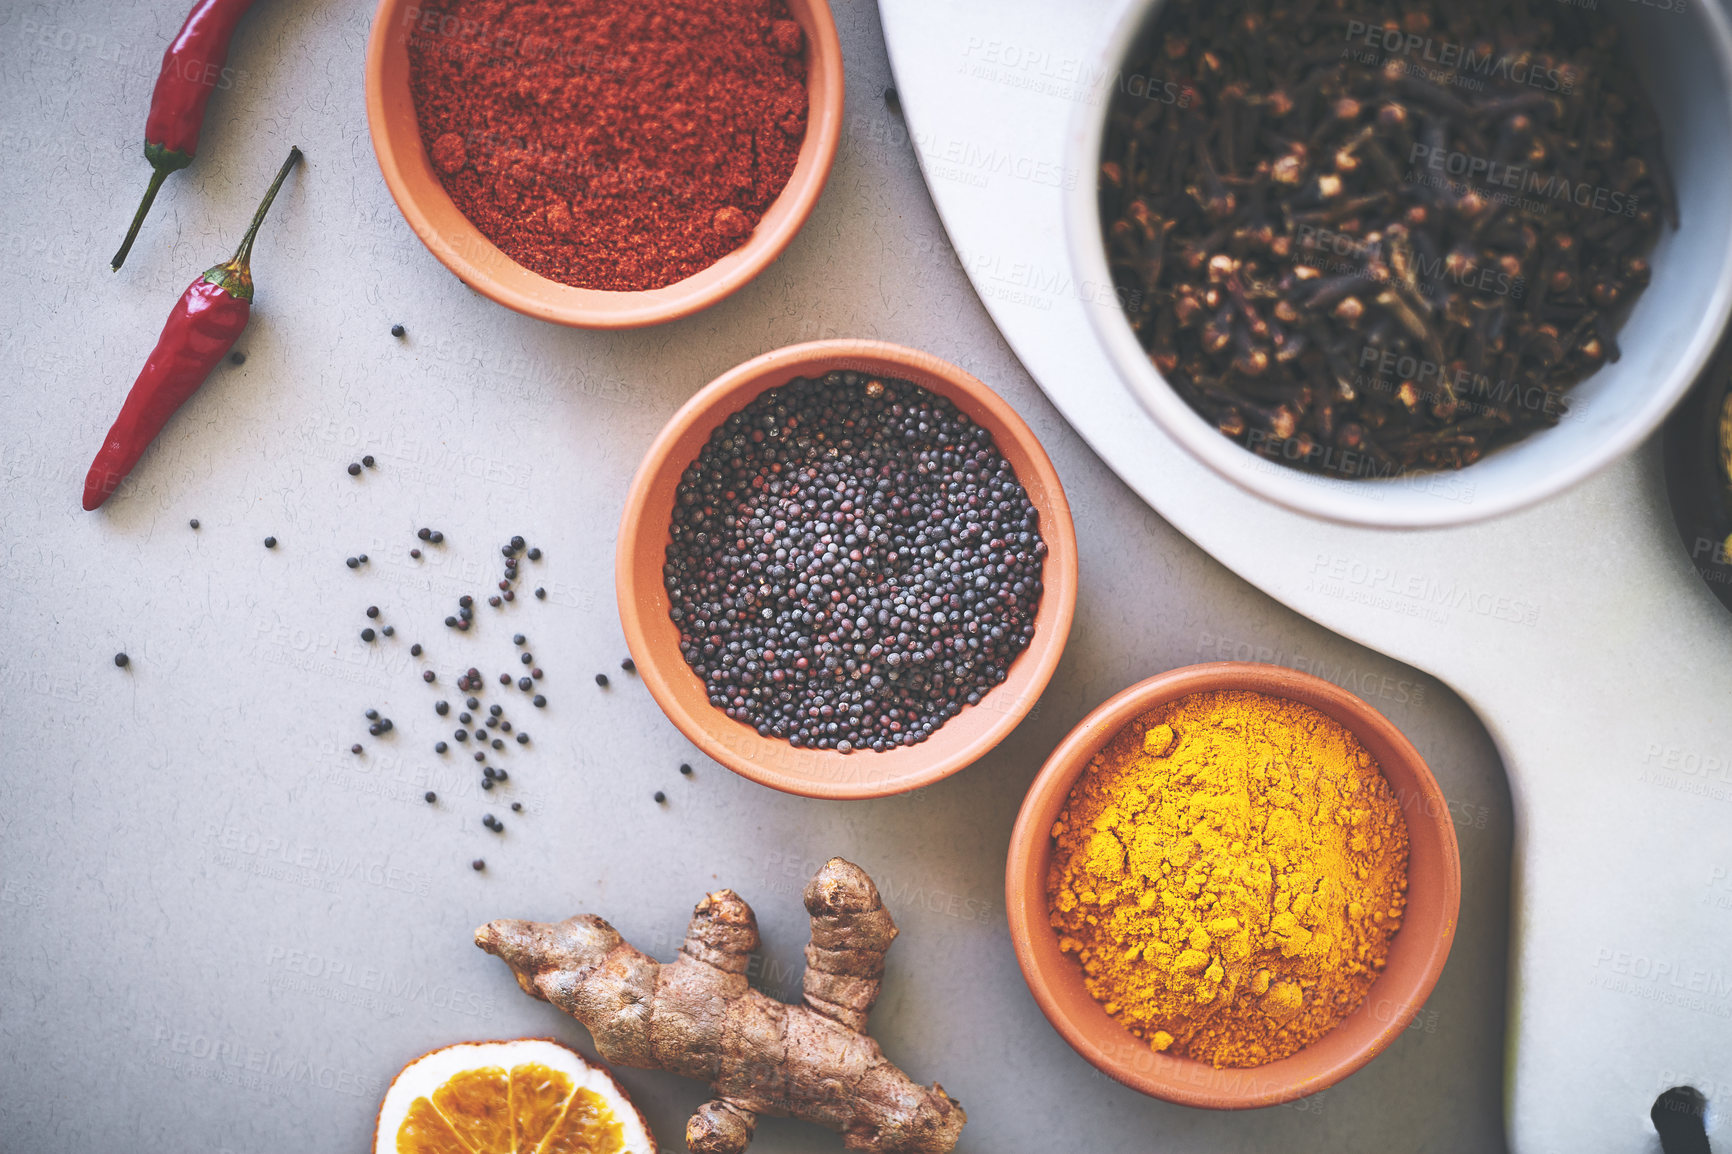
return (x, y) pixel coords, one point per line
(653, 638)
(483, 266)
(1416, 953)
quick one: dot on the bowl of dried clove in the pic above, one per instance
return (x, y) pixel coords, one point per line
(1409, 270)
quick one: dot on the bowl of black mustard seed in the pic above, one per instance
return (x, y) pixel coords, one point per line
(846, 569)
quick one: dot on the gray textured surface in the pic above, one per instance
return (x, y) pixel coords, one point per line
(219, 931)
(1576, 629)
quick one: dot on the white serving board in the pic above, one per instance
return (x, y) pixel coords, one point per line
(1579, 632)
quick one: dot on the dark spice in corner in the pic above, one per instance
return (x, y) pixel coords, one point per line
(1356, 258)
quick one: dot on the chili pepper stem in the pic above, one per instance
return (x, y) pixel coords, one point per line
(156, 179)
(235, 275)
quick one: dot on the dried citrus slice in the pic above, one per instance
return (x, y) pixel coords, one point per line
(529, 1096)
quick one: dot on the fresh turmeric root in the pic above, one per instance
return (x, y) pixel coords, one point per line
(697, 1017)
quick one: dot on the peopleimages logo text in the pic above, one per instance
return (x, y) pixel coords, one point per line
(1462, 58)
(1522, 179)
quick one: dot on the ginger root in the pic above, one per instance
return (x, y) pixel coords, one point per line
(697, 1017)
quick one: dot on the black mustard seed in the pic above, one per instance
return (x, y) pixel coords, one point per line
(852, 563)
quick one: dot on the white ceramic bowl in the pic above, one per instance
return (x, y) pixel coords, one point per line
(1686, 63)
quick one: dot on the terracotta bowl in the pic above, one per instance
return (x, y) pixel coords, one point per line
(1416, 953)
(479, 263)
(654, 639)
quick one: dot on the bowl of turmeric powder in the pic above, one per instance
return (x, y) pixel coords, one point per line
(1232, 885)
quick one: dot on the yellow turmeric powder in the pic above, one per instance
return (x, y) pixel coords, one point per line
(1229, 871)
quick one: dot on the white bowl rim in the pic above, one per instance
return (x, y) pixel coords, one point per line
(1397, 503)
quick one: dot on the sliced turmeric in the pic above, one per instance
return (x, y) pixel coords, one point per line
(1229, 871)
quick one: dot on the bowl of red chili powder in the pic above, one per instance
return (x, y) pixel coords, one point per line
(605, 163)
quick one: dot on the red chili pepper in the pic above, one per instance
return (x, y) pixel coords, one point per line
(199, 333)
(190, 70)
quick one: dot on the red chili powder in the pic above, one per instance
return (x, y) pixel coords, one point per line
(611, 144)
